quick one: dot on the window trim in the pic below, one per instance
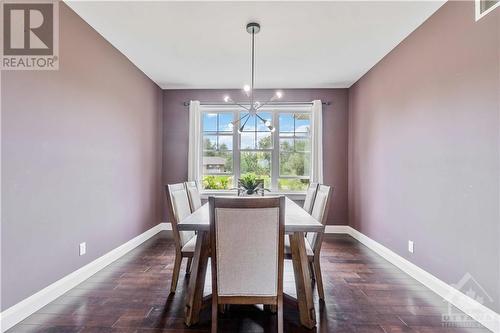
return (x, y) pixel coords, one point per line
(275, 150)
(479, 11)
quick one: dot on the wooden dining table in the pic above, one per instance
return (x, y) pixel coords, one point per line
(297, 223)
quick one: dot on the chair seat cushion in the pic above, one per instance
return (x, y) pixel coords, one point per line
(288, 250)
(190, 245)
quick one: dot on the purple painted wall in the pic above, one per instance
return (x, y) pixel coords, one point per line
(424, 148)
(81, 160)
(175, 136)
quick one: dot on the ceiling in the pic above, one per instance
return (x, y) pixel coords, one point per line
(195, 45)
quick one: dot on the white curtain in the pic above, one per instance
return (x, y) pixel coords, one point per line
(317, 142)
(194, 141)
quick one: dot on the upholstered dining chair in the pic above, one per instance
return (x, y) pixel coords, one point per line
(310, 195)
(185, 241)
(247, 251)
(313, 239)
(193, 195)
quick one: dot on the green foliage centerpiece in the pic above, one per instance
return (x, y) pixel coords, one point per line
(250, 184)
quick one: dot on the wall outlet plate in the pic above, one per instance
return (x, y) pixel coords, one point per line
(410, 246)
(83, 248)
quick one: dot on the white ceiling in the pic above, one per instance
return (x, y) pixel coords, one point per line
(301, 44)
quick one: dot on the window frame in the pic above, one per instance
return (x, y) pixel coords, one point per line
(202, 149)
(480, 11)
(275, 111)
(294, 136)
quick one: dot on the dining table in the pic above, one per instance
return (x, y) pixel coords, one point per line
(298, 222)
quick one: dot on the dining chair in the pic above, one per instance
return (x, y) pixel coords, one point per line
(310, 195)
(185, 241)
(193, 195)
(247, 247)
(313, 239)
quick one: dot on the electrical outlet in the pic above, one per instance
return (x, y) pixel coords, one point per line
(410, 246)
(83, 248)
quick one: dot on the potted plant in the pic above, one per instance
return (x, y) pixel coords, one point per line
(250, 184)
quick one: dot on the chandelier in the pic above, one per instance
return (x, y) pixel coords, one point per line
(253, 105)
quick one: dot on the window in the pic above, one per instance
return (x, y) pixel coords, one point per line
(281, 158)
(295, 151)
(484, 7)
(256, 148)
(217, 150)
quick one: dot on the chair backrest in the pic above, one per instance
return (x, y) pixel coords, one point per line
(193, 195)
(247, 244)
(178, 204)
(310, 195)
(319, 212)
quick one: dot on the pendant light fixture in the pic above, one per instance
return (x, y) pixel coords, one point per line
(253, 105)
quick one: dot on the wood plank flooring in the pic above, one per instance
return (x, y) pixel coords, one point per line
(364, 293)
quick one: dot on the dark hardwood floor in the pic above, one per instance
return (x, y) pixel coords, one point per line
(364, 293)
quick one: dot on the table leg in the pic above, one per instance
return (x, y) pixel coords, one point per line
(194, 296)
(303, 281)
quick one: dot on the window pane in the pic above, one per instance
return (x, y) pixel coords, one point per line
(215, 162)
(258, 163)
(264, 140)
(286, 122)
(212, 182)
(292, 184)
(286, 145)
(225, 142)
(302, 145)
(225, 118)
(302, 122)
(294, 164)
(210, 122)
(247, 140)
(210, 142)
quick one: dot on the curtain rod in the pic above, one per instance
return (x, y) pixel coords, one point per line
(271, 103)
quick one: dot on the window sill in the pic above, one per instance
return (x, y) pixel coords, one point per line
(291, 195)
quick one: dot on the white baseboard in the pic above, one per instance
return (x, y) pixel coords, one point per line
(26, 307)
(487, 317)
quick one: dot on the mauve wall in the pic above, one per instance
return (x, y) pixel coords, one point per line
(424, 148)
(81, 160)
(175, 136)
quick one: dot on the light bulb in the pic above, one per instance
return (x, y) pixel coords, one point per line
(279, 94)
(240, 130)
(246, 87)
(268, 123)
(227, 98)
(271, 128)
(230, 125)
